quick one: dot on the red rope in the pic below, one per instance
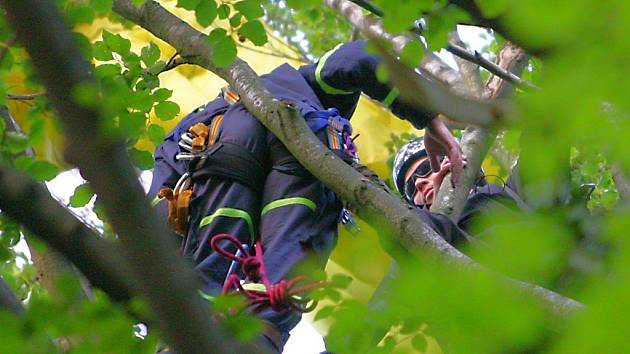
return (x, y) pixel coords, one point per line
(279, 296)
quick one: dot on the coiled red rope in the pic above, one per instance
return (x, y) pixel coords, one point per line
(281, 296)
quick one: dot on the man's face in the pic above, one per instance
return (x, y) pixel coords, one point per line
(424, 183)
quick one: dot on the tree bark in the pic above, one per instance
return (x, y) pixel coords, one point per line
(416, 89)
(8, 300)
(622, 182)
(382, 209)
(475, 143)
(49, 264)
(161, 275)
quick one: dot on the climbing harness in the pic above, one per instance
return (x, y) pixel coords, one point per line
(260, 292)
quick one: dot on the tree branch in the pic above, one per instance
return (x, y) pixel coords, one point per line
(374, 204)
(414, 88)
(478, 59)
(460, 51)
(30, 204)
(8, 300)
(451, 199)
(27, 97)
(496, 23)
(476, 141)
(183, 316)
(49, 263)
(622, 182)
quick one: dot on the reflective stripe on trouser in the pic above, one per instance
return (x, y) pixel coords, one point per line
(298, 229)
(222, 205)
(299, 226)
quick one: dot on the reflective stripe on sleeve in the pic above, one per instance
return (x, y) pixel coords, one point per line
(318, 75)
(156, 200)
(288, 201)
(230, 213)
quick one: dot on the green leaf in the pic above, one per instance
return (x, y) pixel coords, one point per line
(254, 31)
(150, 54)
(101, 52)
(224, 52)
(188, 4)
(235, 20)
(325, 312)
(156, 134)
(137, 2)
(116, 42)
(7, 62)
(141, 100)
(142, 159)
(340, 281)
(43, 170)
(131, 124)
(223, 11)
(251, 9)
(16, 142)
(492, 8)
(166, 110)
(162, 94)
(419, 342)
(80, 14)
(412, 54)
(85, 94)
(206, 12)
(23, 162)
(216, 35)
(82, 195)
(381, 73)
(101, 6)
(106, 70)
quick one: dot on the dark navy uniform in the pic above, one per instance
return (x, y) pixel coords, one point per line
(276, 200)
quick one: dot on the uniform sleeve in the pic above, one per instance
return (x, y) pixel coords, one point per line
(348, 69)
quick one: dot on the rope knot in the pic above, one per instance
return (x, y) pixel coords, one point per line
(279, 295)
(251, 268)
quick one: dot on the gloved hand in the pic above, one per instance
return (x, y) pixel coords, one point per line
(438, 141)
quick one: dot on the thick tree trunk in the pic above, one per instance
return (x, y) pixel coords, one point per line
(168, 284)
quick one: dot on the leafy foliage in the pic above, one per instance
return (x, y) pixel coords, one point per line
(572, 130)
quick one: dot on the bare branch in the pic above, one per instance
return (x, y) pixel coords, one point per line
(622, 182)
(414, 88)
(49, 263)
(264, 52)
(30, 204)
(8, 300)
(496, 23)
(374, 204)
(183, 315)
(478, 59)
(27, 97)
(460, 51)
(476, 141)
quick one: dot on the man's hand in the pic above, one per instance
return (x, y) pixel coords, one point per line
(438, 141)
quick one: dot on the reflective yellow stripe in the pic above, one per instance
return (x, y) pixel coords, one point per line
(391, 96)
(230, 213)
(288, 201)
(254, 286)
(318, 75)
(262, 287)
(206, 297)
(156, 200)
